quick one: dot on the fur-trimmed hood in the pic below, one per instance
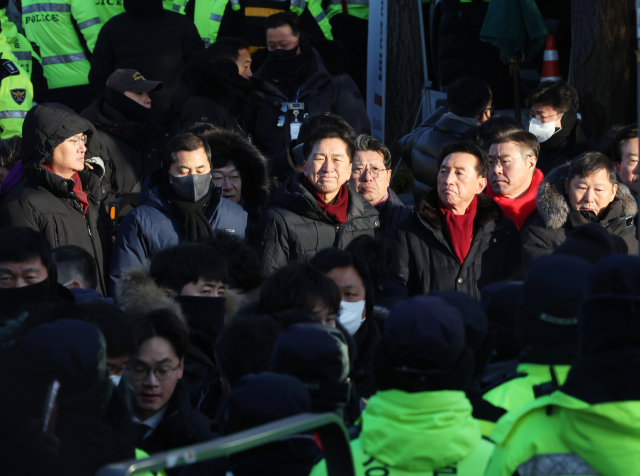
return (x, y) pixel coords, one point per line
(429, 210)
(228, 146)
(553, 203)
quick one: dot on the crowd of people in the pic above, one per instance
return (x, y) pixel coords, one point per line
(194, 243)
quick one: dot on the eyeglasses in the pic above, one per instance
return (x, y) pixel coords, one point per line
(505, 163)
(540, 117)
(219, 179)
(374, 171)
(75, 140)
(162, 372)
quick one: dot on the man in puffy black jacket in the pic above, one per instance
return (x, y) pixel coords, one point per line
(468, 105)
(298, 82)
(134, 144)
(149, 39)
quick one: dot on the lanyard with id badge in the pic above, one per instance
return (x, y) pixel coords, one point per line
(296, 107)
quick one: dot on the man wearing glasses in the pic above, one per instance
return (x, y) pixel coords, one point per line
(553, 119)
(371, 177)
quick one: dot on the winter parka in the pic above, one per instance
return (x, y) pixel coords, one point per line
(392, 213)
(428, 261)
(294, 228)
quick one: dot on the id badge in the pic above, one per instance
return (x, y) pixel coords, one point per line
(295, 130)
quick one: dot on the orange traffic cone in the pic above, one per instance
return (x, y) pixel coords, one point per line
(550, 64)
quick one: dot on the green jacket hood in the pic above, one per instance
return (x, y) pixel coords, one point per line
(9, 30)
(421, 431)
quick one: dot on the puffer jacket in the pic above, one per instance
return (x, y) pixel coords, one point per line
(392, 213)
(555, 219)
(45, 201)
(421, 148)
(428, 261)
(294, 228)
(154, 225)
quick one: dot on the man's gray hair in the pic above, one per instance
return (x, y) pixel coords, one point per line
(365, 142)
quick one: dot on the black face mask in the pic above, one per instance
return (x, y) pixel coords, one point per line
(287, 66)
(126, 106)
(283, 55)
(16, 300)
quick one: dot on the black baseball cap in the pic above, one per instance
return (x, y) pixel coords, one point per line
(123, 80)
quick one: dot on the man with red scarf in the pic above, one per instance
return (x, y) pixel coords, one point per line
(513, 176)
(315, 209)
(458, 238)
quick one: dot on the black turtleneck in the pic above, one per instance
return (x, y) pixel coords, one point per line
(129, 108)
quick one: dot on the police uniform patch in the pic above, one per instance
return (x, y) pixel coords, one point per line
(11, 68)
(18, 95)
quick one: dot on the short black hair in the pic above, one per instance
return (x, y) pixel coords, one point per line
(228, 48)
(629, 132)
(382, 255)
(76, 264)
(365, 142)
(467, 147)
(10, 150)
(204, 130)
(299, 287)
(557, 94)
(282, 19)
(607, 142)
(491, 130)
(526, 142)
(591, 162)
(319, 134)
(183, 141)
(331, 258)
(468, 96)
(117, 329)
(244, 266)
(179, 265)
(244, 346)
(166, 324)
(21, 245)
(324, 120)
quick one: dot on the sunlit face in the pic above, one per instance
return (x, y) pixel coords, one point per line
(244, 63)
(18, 275)
(190, 162)
(282, 38)
(68, 156)
(204, 288)
(228, 178)
(150, 395)
(350, 284)
(323, 314)
(459, 181)
(141, 98)
(365, 165)
(628, 168)
(510, 172)
(545, 113)
(593, 192)
(328, 166)
(116, 365)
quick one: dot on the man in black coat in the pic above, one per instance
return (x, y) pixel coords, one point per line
(122, 118)
(149, 39)
(468, 105)
(58, 197)
(315, 209)
(298, 82)
(371, 176)
(458, 238)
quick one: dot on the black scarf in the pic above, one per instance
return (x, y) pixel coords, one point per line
(569, 124)
(289, 69)
(191, 213)
(16, 300)
(130, 109)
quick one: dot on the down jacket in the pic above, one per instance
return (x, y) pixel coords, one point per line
(294, 228)
(555, 219)
(428, 262)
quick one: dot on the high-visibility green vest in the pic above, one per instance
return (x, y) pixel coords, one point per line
(16, 93)
(50, 25)
(20, 46)
(356, 8)
(201, 16)
(107, 9)
(319, 15)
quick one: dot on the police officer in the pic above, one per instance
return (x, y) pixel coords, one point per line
(65, 58)
(16, 92)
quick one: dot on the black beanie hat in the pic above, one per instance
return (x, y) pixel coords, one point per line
(423, 348)
(552, 291)
(258, 399)
(591, 242)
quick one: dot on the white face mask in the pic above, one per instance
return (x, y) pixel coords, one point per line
(542, 131)
(351, 315)
(115, 379)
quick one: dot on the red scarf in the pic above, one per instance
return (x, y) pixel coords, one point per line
(459, 228)
(519, 209)
(77, 189)
(337, 211)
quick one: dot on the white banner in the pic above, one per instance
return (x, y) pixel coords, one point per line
(377, 66)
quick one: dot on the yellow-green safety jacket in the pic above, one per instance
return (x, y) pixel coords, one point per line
(49, 24)
(20, 46)
(356, 8)
(16, 93)
(107, 9)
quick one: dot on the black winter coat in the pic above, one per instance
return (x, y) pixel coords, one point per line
(294, 228)
(421, 148)
(135, 149)
(158, 47)
(428, 262)
(392, 212)
(552, 155)
(45, 201)
(555, 219)
(323, 90)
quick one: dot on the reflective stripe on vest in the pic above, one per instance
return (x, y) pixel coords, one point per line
(72, 58)
(176, 8)
(216, 17)
(561, 464)
(235, 3)
(301, 4)
(22, 55)
(321, 17)
(46, 7)
(88, 23)
(13, 114)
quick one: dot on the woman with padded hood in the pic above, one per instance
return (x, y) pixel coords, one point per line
(584, 191)
(59, 196)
